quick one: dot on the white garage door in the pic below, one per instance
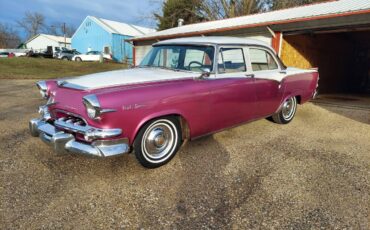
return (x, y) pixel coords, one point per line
(140, 52)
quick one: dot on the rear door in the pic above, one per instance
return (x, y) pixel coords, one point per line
(267, 73)
(232, 89)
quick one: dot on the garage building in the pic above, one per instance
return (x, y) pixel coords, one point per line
(333, 36)
(40, 42)
(110, 37)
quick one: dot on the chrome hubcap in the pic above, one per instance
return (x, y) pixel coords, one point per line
(289, 108)
(158, 141)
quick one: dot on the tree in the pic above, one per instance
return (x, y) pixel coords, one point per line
(173, 10)
(282, 4)
(193, 11)
(59, 29)
(9, 38)
(32, 23)
(220, 9)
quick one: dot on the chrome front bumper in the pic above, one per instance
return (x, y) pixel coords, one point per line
(63, 142)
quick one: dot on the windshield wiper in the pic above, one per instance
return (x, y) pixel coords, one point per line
(163, 67)
(168, 68)
(145, 66)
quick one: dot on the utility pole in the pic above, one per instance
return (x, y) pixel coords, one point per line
(64, 32)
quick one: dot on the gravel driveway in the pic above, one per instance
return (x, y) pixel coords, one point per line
(312, 173)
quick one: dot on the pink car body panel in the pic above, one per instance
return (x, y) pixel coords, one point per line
(207, 105)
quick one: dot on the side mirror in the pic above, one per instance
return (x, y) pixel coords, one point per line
(206, 72)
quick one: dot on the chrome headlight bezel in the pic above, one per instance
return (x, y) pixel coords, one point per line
(93, 108)
(43, 88)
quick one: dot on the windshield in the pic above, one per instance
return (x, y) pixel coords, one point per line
(180, 57)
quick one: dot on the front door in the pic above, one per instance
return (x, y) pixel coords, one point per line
(232, 90)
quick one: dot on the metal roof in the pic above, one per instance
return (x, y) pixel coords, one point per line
(122, 28)
(329, 9)
(59, 39)
(213, 40)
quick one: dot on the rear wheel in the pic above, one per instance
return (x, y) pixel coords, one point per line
(65, 58)
(287, 111)
(78, 59)
(157, 142)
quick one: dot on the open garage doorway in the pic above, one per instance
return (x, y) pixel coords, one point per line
(343, 59)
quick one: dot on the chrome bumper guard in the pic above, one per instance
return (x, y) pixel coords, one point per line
(315, 94)
(63, 142)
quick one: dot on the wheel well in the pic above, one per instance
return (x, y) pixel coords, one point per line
(184, 126)
(299, 99)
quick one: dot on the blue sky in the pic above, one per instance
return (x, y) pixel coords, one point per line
(137, 12)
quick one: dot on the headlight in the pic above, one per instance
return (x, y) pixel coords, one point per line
(93, 108)
(91, 111)
(43, 88)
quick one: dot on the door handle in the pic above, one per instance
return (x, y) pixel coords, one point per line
(251, 75)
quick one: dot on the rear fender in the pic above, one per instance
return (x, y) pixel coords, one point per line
(287, 93)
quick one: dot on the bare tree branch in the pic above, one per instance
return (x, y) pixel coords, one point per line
(32, 23)
(9, 38)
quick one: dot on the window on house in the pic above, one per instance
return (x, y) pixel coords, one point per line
(231, 60)
(262, 60)
(106, 49)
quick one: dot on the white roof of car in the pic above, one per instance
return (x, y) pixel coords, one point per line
(213, 40)
(307, 12)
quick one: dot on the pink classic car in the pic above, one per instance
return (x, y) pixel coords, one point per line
(183, 89)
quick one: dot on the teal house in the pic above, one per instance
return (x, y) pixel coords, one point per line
(109, 37)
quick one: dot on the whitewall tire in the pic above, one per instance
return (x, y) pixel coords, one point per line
(157, 142)
(287, 111)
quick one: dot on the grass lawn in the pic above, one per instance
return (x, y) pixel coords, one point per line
(42, 68)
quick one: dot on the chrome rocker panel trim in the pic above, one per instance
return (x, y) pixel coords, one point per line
(63, 143)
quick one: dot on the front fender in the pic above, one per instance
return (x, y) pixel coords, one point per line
(170, 112)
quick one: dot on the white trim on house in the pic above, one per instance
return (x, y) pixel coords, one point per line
(306, 12)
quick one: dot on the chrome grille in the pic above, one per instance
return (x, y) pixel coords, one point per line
(72, 120)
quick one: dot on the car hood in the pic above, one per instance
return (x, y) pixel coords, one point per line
(124, 77)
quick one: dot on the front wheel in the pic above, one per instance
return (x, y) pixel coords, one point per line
(78, 59)
(287, 111)
(157, 142)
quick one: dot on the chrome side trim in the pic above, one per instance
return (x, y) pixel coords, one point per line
(65, 84)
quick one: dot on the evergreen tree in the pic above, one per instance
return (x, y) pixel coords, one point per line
(173, 10)
(282, 4)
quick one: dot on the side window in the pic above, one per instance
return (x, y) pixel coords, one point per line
(231, 60)
(262, 60)
(196, 59)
